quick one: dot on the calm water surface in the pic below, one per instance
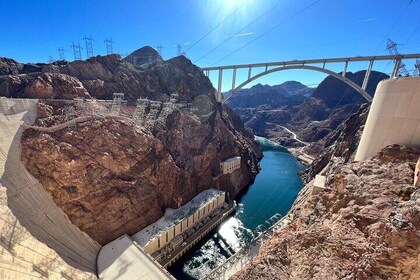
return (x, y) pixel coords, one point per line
(272, 194)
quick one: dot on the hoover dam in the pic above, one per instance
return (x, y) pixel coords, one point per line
(37, 237)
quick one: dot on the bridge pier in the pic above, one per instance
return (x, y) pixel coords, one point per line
(234, 79)
(345, 68)
(366, 79)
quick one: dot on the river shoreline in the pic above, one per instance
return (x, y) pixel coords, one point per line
(271, 194)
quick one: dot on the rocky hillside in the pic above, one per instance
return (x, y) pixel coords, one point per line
(338, 146)
(111, 175)
(270, 97)
(99, 77)
(364, 226)
(311, 116)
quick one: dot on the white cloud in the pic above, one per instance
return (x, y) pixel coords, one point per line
(244, 34)
(366, 20)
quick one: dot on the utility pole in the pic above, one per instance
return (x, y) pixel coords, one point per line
(178, 49)
(109, 43)
(61, 54)
(77, 51)
(89, 46)
(159, 49)
(391, 46)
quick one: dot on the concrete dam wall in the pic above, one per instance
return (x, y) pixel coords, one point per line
(394, 117)
(37, 239)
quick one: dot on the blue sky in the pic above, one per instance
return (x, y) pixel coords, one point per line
(31, 31)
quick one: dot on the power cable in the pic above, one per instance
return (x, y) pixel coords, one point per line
(270, 30)
(214, 28)
(392, 27)
(240, 31)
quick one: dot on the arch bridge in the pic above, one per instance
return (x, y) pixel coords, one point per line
(312, 64)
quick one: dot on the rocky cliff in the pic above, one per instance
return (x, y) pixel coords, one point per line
(101, 76)
(364, 226)
(310, 113)
(111, 175)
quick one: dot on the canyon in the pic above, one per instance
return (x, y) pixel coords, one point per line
(123, 180)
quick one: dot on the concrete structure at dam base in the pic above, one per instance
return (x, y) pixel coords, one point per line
(394, 117)
(146, 254)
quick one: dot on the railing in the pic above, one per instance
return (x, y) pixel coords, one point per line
(245, 254)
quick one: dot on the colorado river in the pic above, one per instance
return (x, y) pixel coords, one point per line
(272, 194)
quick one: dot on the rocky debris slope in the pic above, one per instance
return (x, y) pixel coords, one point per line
(112, 176)
(338, 146)
(364, 226)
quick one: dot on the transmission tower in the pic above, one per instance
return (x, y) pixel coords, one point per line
(159, 49)
(77, 51)
(61, 54)
(391, 46)
(178, 49)
(89, 46)
(109, 43)
(116, 103)
(140, 111)
(417, 67)
(50, 59)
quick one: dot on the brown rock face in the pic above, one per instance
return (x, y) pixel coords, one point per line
(53, 85)
(111, 177)
(362, 228)
(42, 86)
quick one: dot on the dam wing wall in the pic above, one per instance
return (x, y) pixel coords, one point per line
(37, 240)
(394, 117)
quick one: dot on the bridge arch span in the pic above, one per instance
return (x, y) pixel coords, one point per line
(304, 67)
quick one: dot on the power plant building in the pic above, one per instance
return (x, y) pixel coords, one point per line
(230, 165)
(168, 230)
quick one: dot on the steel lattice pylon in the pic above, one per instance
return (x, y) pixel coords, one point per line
(391, 46)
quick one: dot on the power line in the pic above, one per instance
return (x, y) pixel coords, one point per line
(270, 30)
(109, 43)
(50, 59)
(77, 51)
(178, 49)
(240, 31)
(159, 48)
(392, 27)
(214, 28)
(391, 46)
(61, 54)
(89, 46)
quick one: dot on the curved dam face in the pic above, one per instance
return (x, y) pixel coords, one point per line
(394, 117)
(37, 240)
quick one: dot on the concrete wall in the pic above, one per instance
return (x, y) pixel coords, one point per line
(37, 239)
(123, 259)
(394, 117)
